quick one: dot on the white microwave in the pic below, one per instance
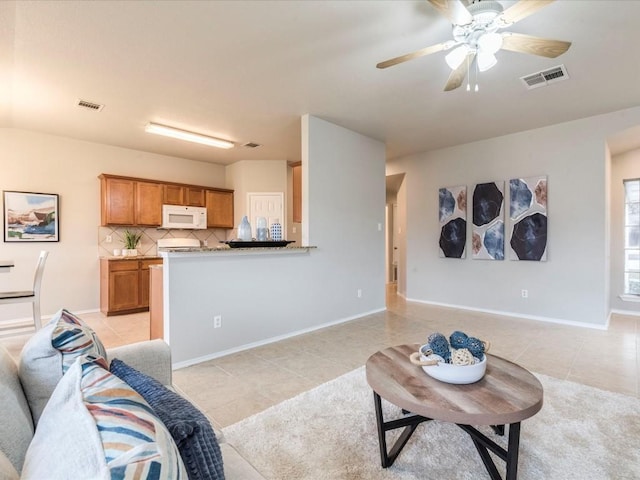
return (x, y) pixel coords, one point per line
(186, 218)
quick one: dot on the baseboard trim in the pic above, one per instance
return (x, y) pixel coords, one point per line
(516, 315)
(247, 346)
(631, 313)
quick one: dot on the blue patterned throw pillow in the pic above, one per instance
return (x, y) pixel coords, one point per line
(189, 428)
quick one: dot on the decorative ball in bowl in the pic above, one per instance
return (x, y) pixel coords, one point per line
(436, 367)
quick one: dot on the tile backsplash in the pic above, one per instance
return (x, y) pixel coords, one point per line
(150, 236)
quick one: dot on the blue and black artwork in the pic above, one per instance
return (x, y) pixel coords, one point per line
(521, 196)
(447, 204)
(494, 241)
(487, 203)
(453, 237)
(529, 239)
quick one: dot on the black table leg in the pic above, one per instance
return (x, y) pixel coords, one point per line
(409, 424)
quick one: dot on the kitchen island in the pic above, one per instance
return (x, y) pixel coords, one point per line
(218, 301)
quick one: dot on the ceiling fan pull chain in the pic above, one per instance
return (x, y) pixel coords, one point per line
(468, 85)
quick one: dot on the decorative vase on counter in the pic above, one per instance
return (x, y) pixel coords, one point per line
(262, 232)
(276, 231)
(244, 230)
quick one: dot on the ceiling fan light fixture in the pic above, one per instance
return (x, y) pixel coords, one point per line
(490, 42)
(455, 58)
(486, 61)
(186, 135)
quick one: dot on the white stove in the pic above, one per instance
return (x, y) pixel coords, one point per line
(178, 243)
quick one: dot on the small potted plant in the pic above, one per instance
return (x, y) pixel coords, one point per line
(131, 240)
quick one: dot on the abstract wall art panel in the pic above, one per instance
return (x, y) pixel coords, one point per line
(488, 221)
(452, 205)
(528, 215)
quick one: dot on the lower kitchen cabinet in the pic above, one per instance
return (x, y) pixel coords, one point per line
(124, 285)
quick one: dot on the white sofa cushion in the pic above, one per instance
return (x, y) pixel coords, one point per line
(50, 352)
(113, 432)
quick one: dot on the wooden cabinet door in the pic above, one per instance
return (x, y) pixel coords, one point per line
(118, 206)
(124, 288)
(297, 193)
(219, 209)
(194, 197)
(173, 195)
(149, 204)
(144, 281)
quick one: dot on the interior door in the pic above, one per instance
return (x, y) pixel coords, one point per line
(268, 205)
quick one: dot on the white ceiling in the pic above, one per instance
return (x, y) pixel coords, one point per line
(247, 70)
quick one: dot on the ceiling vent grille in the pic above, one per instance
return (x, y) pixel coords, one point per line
(546, 77)
(251, 145)
(96, 107)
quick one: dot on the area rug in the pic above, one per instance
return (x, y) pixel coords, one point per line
(330, 433)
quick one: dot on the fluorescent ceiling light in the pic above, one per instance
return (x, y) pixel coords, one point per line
(186, 135)
(455, 58)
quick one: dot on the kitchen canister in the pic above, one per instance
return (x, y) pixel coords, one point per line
(244, 230)
(276, 231)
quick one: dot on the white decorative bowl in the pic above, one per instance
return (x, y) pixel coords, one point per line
(458, 374)
(447, 372)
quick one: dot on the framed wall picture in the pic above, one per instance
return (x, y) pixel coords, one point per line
(528, 215)
(31, 217)
(488, 221)
(452, 213)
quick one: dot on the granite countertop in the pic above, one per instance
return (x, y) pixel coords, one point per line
(137, 257)
(227, 249)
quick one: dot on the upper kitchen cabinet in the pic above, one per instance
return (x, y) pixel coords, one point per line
(148, 205)
(117, 201)
(219, 205)
(128, 201)
(190, 196)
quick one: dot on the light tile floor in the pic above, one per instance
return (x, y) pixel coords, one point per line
(236, 386)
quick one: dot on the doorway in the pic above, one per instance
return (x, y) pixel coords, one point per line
(394, 238)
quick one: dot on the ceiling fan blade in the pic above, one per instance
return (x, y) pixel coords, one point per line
(457, 76)
(544, 47)
(420, 53)
(523, 9)
(454, 10)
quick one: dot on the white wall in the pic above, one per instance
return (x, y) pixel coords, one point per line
(262, 297)
(572, 284)
(623, 167)
(35, 162)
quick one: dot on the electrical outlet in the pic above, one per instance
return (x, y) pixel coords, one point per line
(108, 239)
(205, 243)
(525, 293)
(379, 227)
(217, 321)
(359, 293)
(294, 229)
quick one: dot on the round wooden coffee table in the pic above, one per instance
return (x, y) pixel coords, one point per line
(506, 395)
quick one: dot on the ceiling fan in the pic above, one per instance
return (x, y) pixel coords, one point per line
(476, 38)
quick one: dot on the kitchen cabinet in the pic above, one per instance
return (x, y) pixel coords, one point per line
(129, 201)
(148, 204)
(219, 205)
(184, 195)
(124, 285)
(118, 201)
(156, 315)
(297, 192)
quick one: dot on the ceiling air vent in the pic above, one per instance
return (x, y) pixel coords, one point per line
(96, 107)
(546, 77)
(251, 145)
